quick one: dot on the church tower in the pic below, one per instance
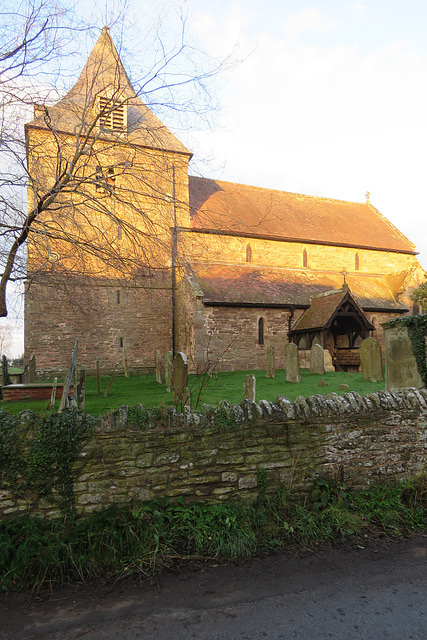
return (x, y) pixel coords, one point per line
(108, 184)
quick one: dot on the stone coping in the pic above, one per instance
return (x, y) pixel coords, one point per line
(332, 407)
(33, 385)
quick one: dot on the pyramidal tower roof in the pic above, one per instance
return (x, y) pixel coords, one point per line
(104, 77)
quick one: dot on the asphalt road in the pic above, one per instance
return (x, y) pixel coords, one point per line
(375, 593)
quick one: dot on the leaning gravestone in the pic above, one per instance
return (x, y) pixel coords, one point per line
(249, 388)
(317, 360)
(159, 376)
(32, 369)
(271, 362)
(168, 370)
(370, 360)
(400, 365)
(327, 358)
(180, 378)
(292, 363)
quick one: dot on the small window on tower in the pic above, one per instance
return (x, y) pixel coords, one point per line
(304, 258)
(112, 114)
(105, 179)
(118, 296)
(248, 253)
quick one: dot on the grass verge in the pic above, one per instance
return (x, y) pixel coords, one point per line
(122, 541)
(227, 386)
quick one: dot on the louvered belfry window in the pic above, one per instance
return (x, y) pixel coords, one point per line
(111, 114)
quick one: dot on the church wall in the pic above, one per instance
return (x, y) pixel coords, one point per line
(231, 336)
(101, 316)
(290, 255)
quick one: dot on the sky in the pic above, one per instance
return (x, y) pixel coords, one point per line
(326, 97)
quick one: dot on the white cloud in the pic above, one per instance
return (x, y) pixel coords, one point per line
(361, 8)
(306, 20)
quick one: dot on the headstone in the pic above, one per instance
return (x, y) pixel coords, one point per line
(32, 369)
(68, 379)
(400, 365)
(167, 360)
(370, 360)
(271, 362)
(51, 403)
(5, 371)
(344, 387)
(25, 375)
(327, 358)
(158, 360)
(180, 378)
(249, 388)
(317, 359)
(292, 363)
(322, 383)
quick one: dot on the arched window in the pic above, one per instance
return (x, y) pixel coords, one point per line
(261, 331)
(248, 253)
(415, 309)
(118, 296)
(356, 262)
(304, 258)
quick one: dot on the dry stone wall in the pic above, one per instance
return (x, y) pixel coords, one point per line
(141, 454)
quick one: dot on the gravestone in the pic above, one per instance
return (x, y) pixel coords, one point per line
(317, 359)
(5, 371)
(65, 391)
(400, 365)
(249, 388)
(292, 363)
(159, 376)
(51, 403)
(271, 362)
(370, 360)
(329, 365)
(180, 378)
(32, 369)
(168, 369)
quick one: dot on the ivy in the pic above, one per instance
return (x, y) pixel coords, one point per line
(40, 457)
(417, 328)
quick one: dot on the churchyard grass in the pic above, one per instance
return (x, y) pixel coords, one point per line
(227, 386)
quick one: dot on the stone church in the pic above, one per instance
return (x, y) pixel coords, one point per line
(131, 253)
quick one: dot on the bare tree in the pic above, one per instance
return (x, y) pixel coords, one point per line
(106, 180)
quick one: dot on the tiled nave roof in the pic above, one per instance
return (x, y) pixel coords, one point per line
(247, 210)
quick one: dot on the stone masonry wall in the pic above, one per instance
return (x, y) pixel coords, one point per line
(142, 454)
(102, 316)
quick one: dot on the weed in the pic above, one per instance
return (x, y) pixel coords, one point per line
(122, 540)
